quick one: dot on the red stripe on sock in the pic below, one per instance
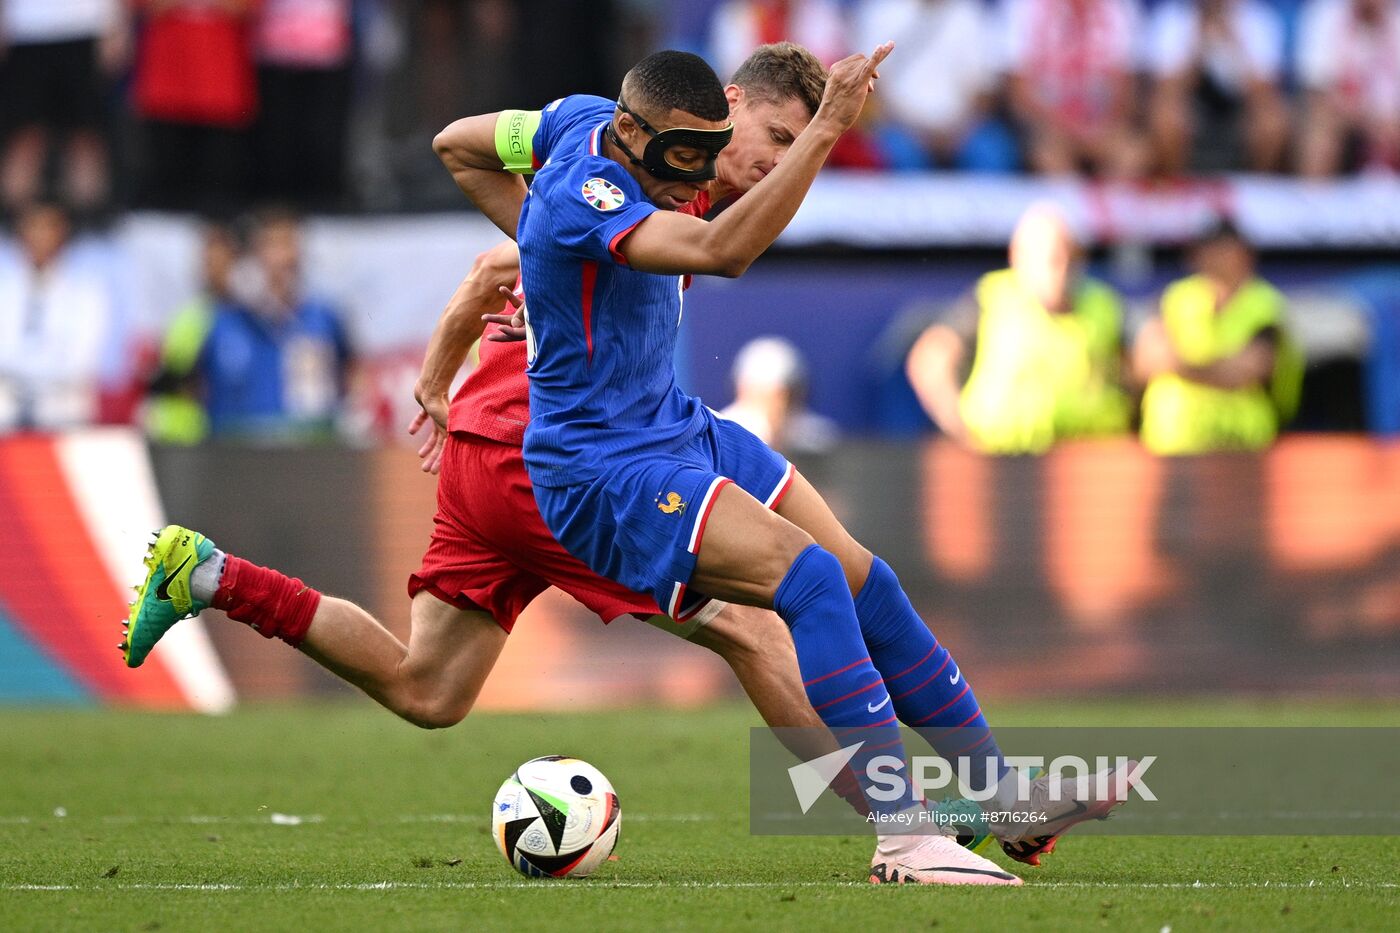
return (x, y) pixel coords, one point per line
(864, 660)
(969, 719)
(981, 741)
(966, 687)
(929, 681)
(916, 665)
(854, 693)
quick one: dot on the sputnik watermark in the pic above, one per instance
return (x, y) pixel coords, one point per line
(1237, 781)
(888, 779)
(932, 775)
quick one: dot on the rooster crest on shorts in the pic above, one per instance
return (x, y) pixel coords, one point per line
(673, 504)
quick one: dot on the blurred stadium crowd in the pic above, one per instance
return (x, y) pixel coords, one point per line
(1116, 88)
(211, 107)
(208, 104)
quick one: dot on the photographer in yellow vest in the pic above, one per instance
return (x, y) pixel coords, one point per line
(1033, 356)
(1220, 369)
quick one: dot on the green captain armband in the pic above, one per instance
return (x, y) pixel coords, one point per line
(515, 140)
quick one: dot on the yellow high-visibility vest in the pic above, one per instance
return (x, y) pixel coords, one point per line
(1041, 376)
(173, 418)
(1180, 416)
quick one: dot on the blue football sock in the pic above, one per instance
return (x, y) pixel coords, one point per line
(843, 686)
(928, 688)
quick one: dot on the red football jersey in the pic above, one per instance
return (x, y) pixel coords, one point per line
(494, 402)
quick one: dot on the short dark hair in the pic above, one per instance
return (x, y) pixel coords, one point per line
(671, 80)
(226, 230)
(1222, 229)
(781, 72)
(266, 216)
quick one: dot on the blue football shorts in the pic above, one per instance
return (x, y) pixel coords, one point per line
(642, 522)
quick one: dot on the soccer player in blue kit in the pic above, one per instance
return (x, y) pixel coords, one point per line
(648, 487)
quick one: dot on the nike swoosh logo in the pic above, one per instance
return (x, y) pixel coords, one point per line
(163, 591)
(958, 869)
(954, 678)
(879, 706)
(1066, 820)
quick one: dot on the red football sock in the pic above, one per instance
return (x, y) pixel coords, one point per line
(273, 604)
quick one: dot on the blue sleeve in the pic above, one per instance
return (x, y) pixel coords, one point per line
(593, 206)
(331, 327)
(565, 114)
(204, 361)
(344, 346)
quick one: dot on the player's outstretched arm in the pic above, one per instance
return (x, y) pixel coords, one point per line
(467, 147)
(932, 367)
(460, 326)
(671, 243)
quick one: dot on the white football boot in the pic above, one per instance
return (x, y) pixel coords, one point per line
(1044, 816)
(910, 859)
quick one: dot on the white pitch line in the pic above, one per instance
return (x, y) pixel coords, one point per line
(696, 885)
(294, 820)
(630, 817)
(1385, 815)
(274, 819)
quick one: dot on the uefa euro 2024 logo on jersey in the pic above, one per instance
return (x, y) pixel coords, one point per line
(602, 194)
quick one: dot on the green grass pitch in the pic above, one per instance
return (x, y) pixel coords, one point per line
(341, 817)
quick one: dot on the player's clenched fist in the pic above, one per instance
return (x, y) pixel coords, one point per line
(851, 81)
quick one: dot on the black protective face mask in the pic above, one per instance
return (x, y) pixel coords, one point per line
(656, 158)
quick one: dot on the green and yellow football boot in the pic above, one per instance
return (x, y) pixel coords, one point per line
(164, 597)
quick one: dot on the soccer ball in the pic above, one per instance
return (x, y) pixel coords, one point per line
(556, 817)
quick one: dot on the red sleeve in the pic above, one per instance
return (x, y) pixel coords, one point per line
(620, 259)
(699, 207)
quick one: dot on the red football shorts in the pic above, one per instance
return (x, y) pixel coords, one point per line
(491, 550)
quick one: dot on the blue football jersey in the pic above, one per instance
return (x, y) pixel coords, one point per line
(602, 336)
